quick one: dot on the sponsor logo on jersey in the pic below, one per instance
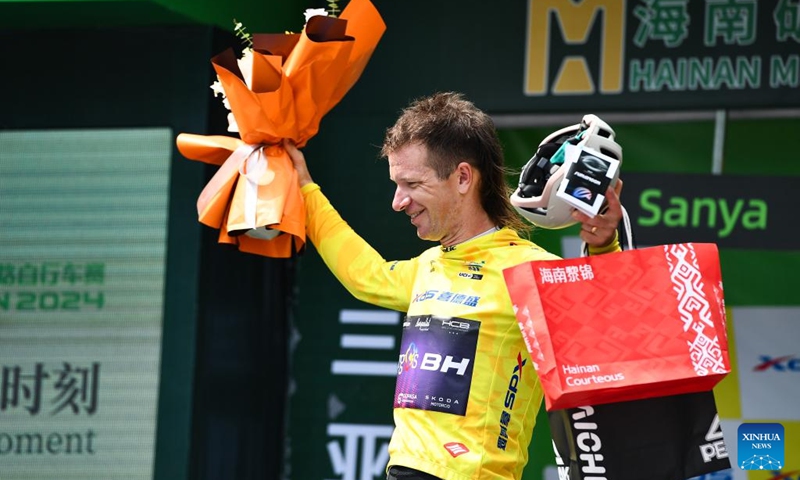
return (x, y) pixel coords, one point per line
(471, 276)
(423, 323)
(473, 270)
(435, 362)
(430, 361)
(475, 266)
(508, 403)
(434, 368)
(455, 448)
(442, 404)
(408, 359)
(447, 297)
(455, 324)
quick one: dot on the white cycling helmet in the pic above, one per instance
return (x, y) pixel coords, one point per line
(535, 197)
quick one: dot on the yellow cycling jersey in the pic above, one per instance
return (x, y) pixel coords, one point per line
(467, 395)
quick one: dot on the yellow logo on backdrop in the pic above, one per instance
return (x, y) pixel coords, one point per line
(576, 20)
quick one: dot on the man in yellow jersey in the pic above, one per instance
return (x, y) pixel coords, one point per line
(466, 397)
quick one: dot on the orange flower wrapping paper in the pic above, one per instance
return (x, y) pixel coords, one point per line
(254, 199)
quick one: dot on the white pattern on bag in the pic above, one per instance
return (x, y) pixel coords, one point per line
(694, 308)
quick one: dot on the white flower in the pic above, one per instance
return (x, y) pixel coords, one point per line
(218, 90)
(312, 12)
(232, 125)
(246, 62)
(246, 66)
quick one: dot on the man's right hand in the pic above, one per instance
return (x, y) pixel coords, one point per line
(299, 161)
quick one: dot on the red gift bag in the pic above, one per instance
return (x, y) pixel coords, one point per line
(623, 326)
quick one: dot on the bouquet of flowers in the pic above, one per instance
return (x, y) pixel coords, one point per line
(280, 89)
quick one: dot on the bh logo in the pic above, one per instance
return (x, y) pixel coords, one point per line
(760, 446)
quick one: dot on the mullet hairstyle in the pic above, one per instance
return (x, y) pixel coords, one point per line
(454, 130)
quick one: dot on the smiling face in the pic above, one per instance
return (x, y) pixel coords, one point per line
(434, 205)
